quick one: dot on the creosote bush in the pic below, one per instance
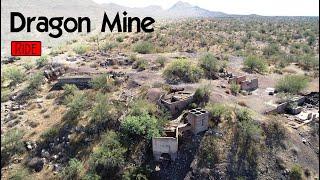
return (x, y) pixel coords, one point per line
(143, 47)
(235, 88)
(14, 74)
(108, 158)
(42, 61)
(142, 125)
(219, 112)
(292, 84)
(80, 48)
(202, 95)
(296, 172)
(253, 63)
(182, 70)
(103, 82)
(74, 170)
(210, 65)
(76, 104)
(101, 108)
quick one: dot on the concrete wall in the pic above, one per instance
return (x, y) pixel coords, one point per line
(250, 85)
(178, 106)
(199, 120)
(162, 145)
(237, 79)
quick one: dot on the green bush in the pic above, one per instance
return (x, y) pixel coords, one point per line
(161, 60)
(119, 39)
(143, 47)
(42, 61)
(5, 94)
(253, 63)
(11, 144)
(101, 108)
(103, 82)
(209, 153)
(137, 173)
(235, 88)
(107, 159)
(143, 125)
(182, 70)
(275, 134)
(36, 81)
(14, 74)
(28, 66)
(271, 49)
(292, 84)
(141, 106)
(108, 46)
(210, 65)
(243, 114)
(76, 104)
(19, 174)
(219, 111)
(296, 172)
(202, 95)
(80, 48)
(140, 64)
(74, 170)
(69, 89)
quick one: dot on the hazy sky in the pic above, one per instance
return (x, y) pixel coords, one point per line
(261, 7)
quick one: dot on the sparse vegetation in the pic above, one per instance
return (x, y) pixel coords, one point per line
(42, 61)
(80, 48)
(253, 63)
(182, 70)
(103, 82)
(210, 65)
(74, 170)
(143, 47)
(14, 74)
(292, 84)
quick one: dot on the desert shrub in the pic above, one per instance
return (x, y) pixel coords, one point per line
(14, 74)
(103, 82)
(11, 144)
(209, 153)
(140, 64)
(80, 48)
(74, 170)
(143, 47)
(107, 159)
(271, 49)
(309, 62)
(69, 89)
(138, 173)
(119, 39)
(58, 50)
(182, 70)
(296, 172)
(235, 88)
(19, 174)
(253, 63)
(91, 176)
(161, 60)
(76, 104)
(202, 95)
(101, 108)
(50, 134)
(36, 81)
(219, 111)
(28, 65)
(292, 84)
(107, 46)
(210, 65)
(42, 61)
(275, 133)
(141, 106)
(5, 94)
(143, 125)
(243, 114)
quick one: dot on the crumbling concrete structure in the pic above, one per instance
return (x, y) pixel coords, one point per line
(167, 145)
(246, 85)
(198, 119)
(52, 73)
(176, 102)
(81, 82)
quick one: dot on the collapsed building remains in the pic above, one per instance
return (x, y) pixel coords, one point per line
(246, 85)
(166, 147)
(82, 82)
(177, 101)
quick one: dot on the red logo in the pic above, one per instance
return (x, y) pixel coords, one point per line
(25, 48)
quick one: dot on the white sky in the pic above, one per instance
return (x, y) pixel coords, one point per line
(261, 7)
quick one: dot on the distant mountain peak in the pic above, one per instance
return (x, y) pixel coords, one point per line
(180, 5)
